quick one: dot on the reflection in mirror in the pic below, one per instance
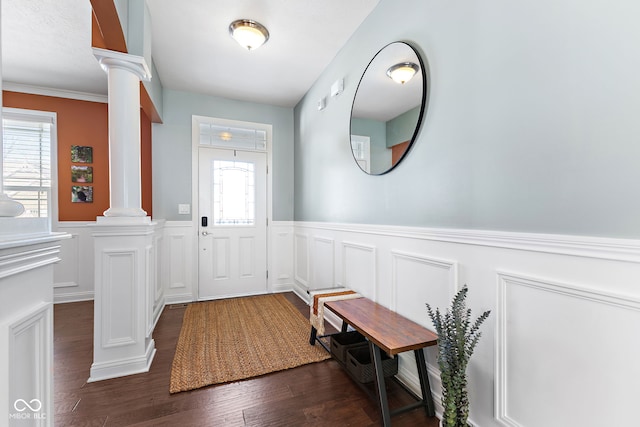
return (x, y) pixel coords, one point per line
(388, 108)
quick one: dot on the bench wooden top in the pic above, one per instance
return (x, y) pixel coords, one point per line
(389, 330)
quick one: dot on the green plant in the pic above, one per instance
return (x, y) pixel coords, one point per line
(457, 338)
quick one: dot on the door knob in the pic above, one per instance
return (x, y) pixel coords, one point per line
(205, 233)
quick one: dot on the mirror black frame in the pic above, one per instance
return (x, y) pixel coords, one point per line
(423, 101)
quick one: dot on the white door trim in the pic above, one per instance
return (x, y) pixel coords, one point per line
(195, 176)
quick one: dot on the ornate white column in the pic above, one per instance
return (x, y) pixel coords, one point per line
(124, 238)
(125, 72)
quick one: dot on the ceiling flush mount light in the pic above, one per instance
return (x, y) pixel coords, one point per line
(249, 34)
(403, 72)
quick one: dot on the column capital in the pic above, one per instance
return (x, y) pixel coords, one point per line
(133, 63)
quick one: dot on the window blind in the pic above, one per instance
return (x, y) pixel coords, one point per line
(27, 163)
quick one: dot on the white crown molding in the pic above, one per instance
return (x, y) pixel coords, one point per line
(58, 93)
(583, 246)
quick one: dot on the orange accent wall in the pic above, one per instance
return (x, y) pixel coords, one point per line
(106, 31)
(397, 151)
(145, 162)
(85, 123)
(97, 40)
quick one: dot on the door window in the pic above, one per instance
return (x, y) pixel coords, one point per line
(233, 193)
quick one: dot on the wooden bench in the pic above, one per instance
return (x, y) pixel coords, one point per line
(390, 332)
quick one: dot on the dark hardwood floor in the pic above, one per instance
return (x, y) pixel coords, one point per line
(319, 394)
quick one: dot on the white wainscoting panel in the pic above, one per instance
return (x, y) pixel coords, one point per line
(156, 286)
(359, 266)
(547, 347)
(302, 259)
(67, 275)
(120, 297)
(558, 348)
(31, 362)
(418, 279)
(150, 277)
(280, 256)
(323, 265)
(73, 275)
(568, 349)
(179, 265)
(177, 268)
(125, 270)
(177, 260)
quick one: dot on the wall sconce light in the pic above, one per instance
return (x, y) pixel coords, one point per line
(403, 72)
(249, 34)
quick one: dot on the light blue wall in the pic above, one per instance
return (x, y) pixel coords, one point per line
(135, 21)
(377, 132)
(155, 89)
(531, 125)
(172, 150)
(401, 128)
(122, 9)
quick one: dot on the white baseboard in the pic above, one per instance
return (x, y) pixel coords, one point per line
(123, 367)
(178, 299)
(282, 287)
(73, 297)
(301, 291)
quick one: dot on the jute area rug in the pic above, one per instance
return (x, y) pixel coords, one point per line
(233, 339)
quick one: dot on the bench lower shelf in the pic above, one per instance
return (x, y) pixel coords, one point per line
(368, 386)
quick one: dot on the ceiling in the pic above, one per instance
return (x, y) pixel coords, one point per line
(48, 44)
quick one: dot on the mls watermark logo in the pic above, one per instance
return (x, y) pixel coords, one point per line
(27, 410)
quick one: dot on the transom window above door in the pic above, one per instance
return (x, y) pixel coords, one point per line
(215, 135)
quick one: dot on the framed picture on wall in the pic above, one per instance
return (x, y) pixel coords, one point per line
(82, 194)
(81, 154)
(81, 174)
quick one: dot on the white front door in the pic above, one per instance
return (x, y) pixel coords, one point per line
(232, 223)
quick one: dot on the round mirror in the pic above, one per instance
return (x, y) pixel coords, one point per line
(387, 108)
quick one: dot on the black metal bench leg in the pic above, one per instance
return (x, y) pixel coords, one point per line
(425, 387)
(314, 332)
(376, 356)
(312, 338)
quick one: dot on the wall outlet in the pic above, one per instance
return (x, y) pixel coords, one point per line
(184, 209)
